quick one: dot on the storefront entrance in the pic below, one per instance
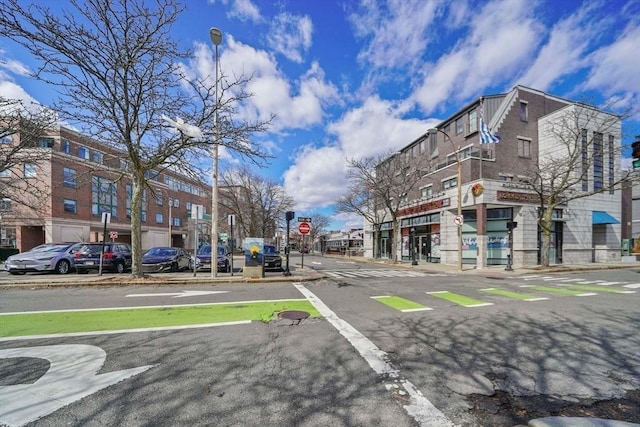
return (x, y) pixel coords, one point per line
(555, 243)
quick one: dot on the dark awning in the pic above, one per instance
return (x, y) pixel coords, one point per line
(601, 217)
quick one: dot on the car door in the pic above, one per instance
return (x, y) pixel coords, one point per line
(183, 260)
(125, 250)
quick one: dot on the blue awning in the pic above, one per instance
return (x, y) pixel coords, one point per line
(601, 217)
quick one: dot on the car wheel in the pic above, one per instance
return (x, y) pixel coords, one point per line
(17, 273)
(63, 266)
(120, 267)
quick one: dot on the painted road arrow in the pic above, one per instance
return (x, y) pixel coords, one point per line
(179, 294)
(72, 375)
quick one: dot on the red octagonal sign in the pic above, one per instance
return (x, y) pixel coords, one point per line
(304, 228)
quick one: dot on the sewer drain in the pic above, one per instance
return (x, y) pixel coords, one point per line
(293, 315)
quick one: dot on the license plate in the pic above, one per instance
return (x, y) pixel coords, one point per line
(89, 263)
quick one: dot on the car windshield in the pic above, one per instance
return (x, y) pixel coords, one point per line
(270, 250)
(53, 248)
(206, 250)
(160, 252)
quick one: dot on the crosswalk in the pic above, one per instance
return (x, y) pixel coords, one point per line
(576, 280)
(539, 288)
(365, 273)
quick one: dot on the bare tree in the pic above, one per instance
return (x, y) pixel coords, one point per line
(319, 224)
(575, 164)
(378, 188)
(21, 127)
(119, 72)
(259, 203)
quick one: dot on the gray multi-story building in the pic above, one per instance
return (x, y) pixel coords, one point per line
(491, 184)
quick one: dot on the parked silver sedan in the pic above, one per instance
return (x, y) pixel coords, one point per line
(54, 257)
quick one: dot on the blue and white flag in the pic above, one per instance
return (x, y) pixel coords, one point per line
(486, 136)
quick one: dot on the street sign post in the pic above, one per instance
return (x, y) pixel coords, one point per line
(304, 228)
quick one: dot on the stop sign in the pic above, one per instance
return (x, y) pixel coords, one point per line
(304, 228)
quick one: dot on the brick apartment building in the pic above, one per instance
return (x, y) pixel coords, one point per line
(494, 190)
(78, 179)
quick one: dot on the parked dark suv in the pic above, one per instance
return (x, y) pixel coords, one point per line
(272, 258)
(116, 258)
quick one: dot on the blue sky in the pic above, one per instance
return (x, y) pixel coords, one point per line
(354, 78)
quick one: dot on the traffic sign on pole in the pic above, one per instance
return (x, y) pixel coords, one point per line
(458, 220)
(304, 228)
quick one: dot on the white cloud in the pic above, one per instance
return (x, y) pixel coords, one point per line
(374, 128)
(501, 38)
(290, 35)
(10, 90)
(15, 67)
(316, 179)
(616, 68)
(317, 176)
(244, 10)
(296, 106)
(397, 31)
(564, 51)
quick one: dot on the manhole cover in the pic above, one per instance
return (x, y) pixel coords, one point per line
(293, 315)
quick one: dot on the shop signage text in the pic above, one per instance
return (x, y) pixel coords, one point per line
(425, 207)
(512, 196)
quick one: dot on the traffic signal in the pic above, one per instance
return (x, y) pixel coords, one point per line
(635, 152)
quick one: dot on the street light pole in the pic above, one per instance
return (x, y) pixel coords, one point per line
(216, 39)
(434, 131)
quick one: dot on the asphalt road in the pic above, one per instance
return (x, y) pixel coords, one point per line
(563, 349)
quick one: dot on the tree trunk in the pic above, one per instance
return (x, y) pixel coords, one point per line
(395, 242)
(136, 230)
(545, 227)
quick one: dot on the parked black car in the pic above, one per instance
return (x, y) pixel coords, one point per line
(116, 257)
(272, 258)
(204, 258)
(160, 259)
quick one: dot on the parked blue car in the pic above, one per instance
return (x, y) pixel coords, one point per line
(53, 257)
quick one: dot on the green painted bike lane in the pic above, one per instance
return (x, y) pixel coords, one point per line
(114, 319)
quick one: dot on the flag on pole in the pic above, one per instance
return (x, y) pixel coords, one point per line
(486, 136)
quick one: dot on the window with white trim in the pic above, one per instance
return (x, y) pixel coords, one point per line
(450, 183)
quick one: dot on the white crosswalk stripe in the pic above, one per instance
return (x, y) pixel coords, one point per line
(377, 273)
(576, 280)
